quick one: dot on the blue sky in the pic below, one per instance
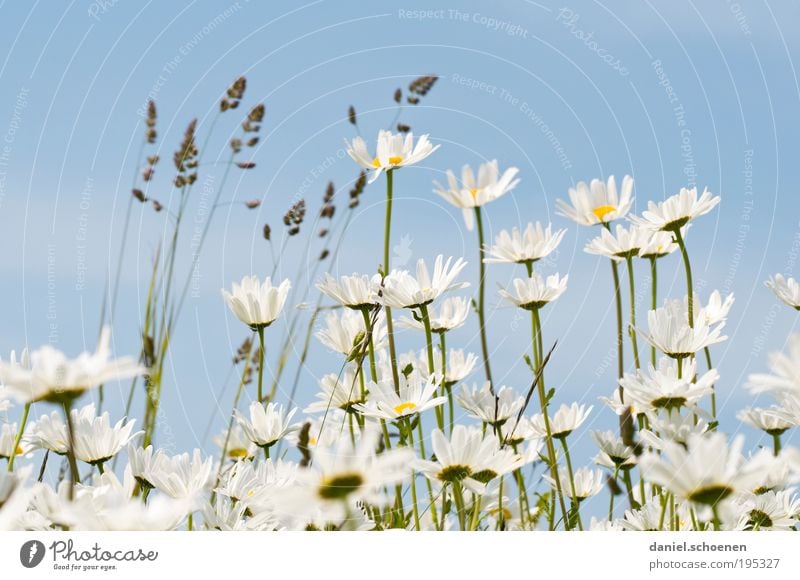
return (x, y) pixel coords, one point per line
(674, 93)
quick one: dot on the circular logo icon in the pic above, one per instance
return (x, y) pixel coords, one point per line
(31, 553)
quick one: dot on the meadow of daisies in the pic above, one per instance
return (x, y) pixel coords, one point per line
(421, 439)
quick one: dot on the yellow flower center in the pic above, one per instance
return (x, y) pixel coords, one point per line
(474, 191)
(405, 407)
(312, 440)
(251, 492)
(603, 210)
(239, 452)
(394, 160)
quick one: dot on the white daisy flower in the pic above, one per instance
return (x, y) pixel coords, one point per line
(393, 151)
(676, 211)
(623, 243)
(356, 291)
(527, 247)
(54, 377)
(564, 421)
(469, 457)
(460, 365)
(345, 333)
(182, 476)
(614, 454)
(49, 432)
(96, 440)
(402, 290)
(339, 392)
(588, 482)
(786, 289)
(661, 388)
(706, 471)
(716, 310)
(449, 314)
(768, 420)
(669, 331)
(238, 446)
(257, 303)
(672, 426)
(598, 202)
(471, 192)
(267, 424)
(534, 292)
(144, 463)
(785, 375)
(480, 403)
(660, 244)
(414, 397)
(8, 437)
(776, 511)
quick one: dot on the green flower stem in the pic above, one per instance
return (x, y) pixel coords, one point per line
(426, 321)
(776, 444)
(386, 240)
(189, 523)
(260, 331)
(100, 468)
(481, 298)
(611, 495)
(432, 505)
(618, 300)
(653, 300)
(713, 390)
(410, 433)
(688, 268)
(716, 519)
(575, 502)
(476, 509)
(551, 451)
(447, 390)
(626, 477)
(25, 411)
(632, 325)
(458, 499)
(73, 464)
(368, 326)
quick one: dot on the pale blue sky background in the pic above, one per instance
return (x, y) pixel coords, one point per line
(72, 79)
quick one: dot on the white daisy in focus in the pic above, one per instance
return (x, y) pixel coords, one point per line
(96, 440)
(669, 331)
(393, 151)
(623, 243)
(614, 454)
(786, 289)
(471, 192)
(535, 292)
(339, 392)
(257, 304)
(415, 397)
(266, 424)
(356, 291)
(660, 244)
(588, 482)
(597, 202)
(345, 333)
(527, 247)
(662, 388)
(182, 476)
(707, 471)
(55, 378)
(451, 313)
(469, 458)
(675, 212)
(785, 371)
(49, 432)
(460, 365)
(480, 403)
(402, 290)
(714, 311)
(562, 422)
(146, 463)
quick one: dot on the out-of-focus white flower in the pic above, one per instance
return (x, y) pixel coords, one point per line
(675, 212)
(96, 441)
(614, 453)
(471, 192)
(768, 420)
(597, 202)
(564, 421)
(786, 289)
(587, 481)
(480, 403)
(393, 151)
(8, 437)
(772, 510)
(182, 476)
(785, 375)
(339, 392)
(54, 377)
(662, 388)
(257, 304)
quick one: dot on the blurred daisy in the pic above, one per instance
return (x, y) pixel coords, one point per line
(768, 420)
(267, 424)
(480, 403)
(54, 377)
(393, 151)
(669, 331)
(355, 291)
(182, 476)
(672, 426)
(562, 422)
(96, 440)
(339, 392)
(257, 303)
(777, 511)
(659, 244)
(145, 463)
(614, 453)
(471, 192)
(451, 313)
(587, 481)
(402, 290)
(534, 292)
(786, 289)
(527, 247)
(345, 333)
(460, 365)
(238, 446)
(414, 397)
(706, 471)
(623, 243)
(662, 388)
(469, 458)
(598, 202)
(8, 446)
(716, 310)
(785, 369)
(675, 212)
